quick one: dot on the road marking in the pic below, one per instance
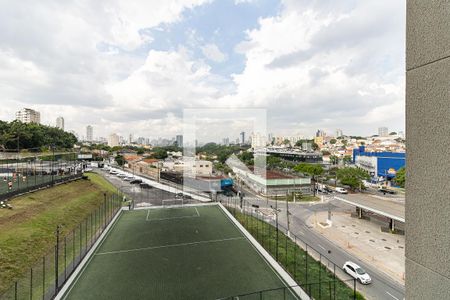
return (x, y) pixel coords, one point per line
(392, 295)
(322, 247)
(301, 232)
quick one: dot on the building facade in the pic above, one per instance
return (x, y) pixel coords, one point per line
(427, 140)
(60, 123)
(383, 131)
(28, 115)
(380, 165)
(89, 133)
(113, 140)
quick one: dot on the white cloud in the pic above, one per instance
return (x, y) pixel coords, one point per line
(316, 64)
(317, 67)
(212, 52)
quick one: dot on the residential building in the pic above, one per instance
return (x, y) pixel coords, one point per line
(339, 132)
(320, 133)
(383, 131)
(113, 140)
(28, 115)
(60, 123)
(242, 138)
(89, 133)
(226, 141)
(179, 140)
(258, 141)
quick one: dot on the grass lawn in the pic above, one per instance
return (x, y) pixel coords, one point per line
(298, 198)
(27, 232)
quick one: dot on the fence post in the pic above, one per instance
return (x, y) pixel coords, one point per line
(56, 258)
(306, 264)
(31, 283)
(295, 257)
(43, 277)
(320, 273)
(354, 289)
(65, 258)
(15, 290)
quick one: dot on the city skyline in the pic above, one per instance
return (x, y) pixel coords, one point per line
(109, 73)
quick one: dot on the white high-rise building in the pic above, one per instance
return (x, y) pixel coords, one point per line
(258, 141)
(113, 140)
(179, 140)
(60, 123)
(89, 133)
(339, 132)
(383, 131)
(28, 115)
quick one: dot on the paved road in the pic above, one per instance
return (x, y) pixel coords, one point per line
(382, 287)
(395, 207)
(144, 197)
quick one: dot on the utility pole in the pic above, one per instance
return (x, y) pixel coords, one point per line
(276, 217)
(287, 214)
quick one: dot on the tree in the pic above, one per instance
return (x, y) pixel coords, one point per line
(120, 160)
(400, 177)
(347, 159)
(334, 159)
(315, 147)
(393, 133)
(286, 142)
(311, 169)
(333, 141)
(352, 177)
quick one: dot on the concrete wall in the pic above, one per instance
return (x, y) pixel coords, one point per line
(428, 144)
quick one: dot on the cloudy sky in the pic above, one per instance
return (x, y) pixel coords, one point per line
(132, 66)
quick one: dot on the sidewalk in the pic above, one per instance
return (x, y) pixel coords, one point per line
(365, 241)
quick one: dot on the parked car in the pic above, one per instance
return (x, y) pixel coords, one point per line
(341, 190)
(386, 191)
(145, 186)
(126, 178)
(356, 272)
(136, 181)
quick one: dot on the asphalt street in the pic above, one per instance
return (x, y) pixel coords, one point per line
(382, 286)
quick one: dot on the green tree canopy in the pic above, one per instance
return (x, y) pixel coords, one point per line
(352, 177)
(400, 177)
(313, 170)
(333, 141)
(33, 136)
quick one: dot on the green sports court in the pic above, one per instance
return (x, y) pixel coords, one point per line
(183, 252)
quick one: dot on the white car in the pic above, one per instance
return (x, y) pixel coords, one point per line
(356, 272)
(341, 190)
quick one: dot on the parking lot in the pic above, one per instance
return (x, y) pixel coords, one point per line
(144, 197)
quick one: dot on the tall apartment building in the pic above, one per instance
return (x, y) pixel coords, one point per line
(179, 140)
(113, 140)
(60, 123)
(383, 131)
(89, 133)
(28, 115)
(339, 132)
(242, 138)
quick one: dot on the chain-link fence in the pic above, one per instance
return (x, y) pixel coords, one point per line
(44, 279)
(319, 277)
(24, 174)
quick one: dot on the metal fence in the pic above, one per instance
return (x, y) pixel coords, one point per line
(319, 277)
(26, 174)
(286, 292)
(44, 279)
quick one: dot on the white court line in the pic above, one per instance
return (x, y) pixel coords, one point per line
(392, 295)
(174, 245)
(321, 246)
(172, 218)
